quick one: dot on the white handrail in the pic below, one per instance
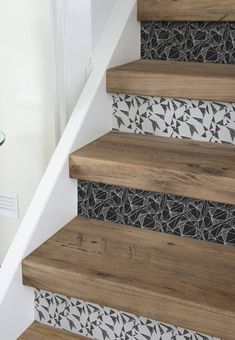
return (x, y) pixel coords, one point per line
(54, 203)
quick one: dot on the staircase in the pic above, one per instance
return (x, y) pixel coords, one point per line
(154, 235)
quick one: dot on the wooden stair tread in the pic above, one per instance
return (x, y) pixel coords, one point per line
(175, 166)
(185, 10)
(38, 331)
(174, 79)
(173, 279)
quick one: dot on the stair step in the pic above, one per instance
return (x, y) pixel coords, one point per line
(181, 281)
(182, 167)
(174, 79)
(185, 10)
(38, 331)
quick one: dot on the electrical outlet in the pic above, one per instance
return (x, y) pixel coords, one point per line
(9, 205)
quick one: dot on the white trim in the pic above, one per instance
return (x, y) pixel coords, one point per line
(54, 203)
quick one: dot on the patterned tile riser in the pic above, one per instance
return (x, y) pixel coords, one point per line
(189, 41)
(176, 118)
(103, 323)
(202, 220)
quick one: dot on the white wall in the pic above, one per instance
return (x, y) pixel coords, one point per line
(84, 22)
(100, 12)
(78, 48)
(27, 102)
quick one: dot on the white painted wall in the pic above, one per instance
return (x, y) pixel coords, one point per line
(100, 13)
(27, 102)
(84, 22)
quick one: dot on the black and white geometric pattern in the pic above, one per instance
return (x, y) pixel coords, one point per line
(202, 220)
(103, 323)
(189, 41)
(194, 119)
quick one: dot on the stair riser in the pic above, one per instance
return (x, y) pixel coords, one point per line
(166, 117)
(100, 322)
(202, 220)
(189, 41)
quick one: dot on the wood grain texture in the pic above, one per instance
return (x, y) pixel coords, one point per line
(174, 79)
(181, 281)
(39, 331)
(183, 167)
(186, 10)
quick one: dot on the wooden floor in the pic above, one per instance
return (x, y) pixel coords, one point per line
(181, 281)
(186, 10)
(41, 332)
(174, 79)
(183, 167)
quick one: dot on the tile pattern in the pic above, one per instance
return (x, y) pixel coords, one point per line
(202, 220)
(103, 323)
(189, 41)
(195, 119)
